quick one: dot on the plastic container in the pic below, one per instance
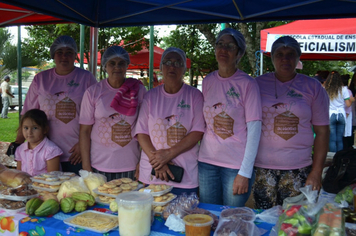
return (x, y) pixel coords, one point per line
(197, 224)
(135, 210)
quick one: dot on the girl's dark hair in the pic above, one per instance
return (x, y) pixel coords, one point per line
(38, 116)
(352, 86)
(333, 85)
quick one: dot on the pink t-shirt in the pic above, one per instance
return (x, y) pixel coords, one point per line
(34, 161)
(113, 148)
(167, 119)
(60, 97)
(287, 136)
(229, 103)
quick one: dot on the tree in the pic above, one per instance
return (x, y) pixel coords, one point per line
(41, 38)
(199, 47)
(8, 54)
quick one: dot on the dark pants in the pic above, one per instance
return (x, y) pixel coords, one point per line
(68, 167)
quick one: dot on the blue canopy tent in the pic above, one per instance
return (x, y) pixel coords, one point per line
(110, 13)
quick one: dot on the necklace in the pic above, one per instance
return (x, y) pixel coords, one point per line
(275, 87)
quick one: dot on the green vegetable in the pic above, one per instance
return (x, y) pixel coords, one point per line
(84, 197)
(345, 194)
(80, 206)
(32, 205)
(48, 207)
(67, 204)
(113, 206)
(304, 229)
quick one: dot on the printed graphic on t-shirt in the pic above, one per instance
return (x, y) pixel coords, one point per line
(114, 130)
(175, 132)
(66, 110)
(217, 115)
(279, 121)
(121, 133)
(60, 105)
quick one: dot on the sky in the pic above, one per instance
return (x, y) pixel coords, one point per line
(164, 30)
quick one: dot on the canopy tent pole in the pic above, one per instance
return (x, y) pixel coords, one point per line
(150, 85)
(261, 63)
(19, 69)
(82, 29)
(93, 50)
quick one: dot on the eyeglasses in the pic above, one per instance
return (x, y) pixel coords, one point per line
(62, 53)
(173, 63)
(119, 64)
(229, 46)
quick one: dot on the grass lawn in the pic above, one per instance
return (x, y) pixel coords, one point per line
(8, 127)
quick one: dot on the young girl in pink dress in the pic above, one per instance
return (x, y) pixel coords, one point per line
(38, 155)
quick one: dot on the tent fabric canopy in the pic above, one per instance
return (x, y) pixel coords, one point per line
(12, 15)
(114, 13)
(140, 60)
(327, 39)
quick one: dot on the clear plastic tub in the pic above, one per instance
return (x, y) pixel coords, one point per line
(135, 212)
(198, 224)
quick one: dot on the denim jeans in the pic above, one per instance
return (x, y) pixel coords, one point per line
(337, 129)
(5, 108)
(215, 185)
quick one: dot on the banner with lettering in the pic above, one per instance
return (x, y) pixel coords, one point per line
(319, 43)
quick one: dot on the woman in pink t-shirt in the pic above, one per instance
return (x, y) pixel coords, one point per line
(59, 92)
(292, 104)
(232, 111)
(107, 119)
(38, 155)
(169, 127)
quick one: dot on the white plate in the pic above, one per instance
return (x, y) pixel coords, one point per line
(67, 221)
(156, 194)
(97, 199)
(13, 211)
(52, 190)
(17, 198)
(59, 182)
(163, 203)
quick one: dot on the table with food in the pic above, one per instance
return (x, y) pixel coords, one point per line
(61, 203)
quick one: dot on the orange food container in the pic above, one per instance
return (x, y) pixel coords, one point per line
(198, 224)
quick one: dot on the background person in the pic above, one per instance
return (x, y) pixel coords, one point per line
(339, 97)
(170, 125)
(348, 135)
(39, 154)
(108, 117)
(292, 104)
(59, 92)
(232, 112)
(6, 96)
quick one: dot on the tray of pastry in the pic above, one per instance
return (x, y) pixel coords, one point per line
(163, 199)
(117, 186)
(48, 188)
(157, 189)
(20, 193)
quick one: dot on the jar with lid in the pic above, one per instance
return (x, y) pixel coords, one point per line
(134, 209)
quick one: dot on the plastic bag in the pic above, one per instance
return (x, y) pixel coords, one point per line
(299, 218)
(13, 178)
(237, 221)
(75, 184)
(329, 221)
(308, 196)
(92, 180)
(271, 215)
(345, 195)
